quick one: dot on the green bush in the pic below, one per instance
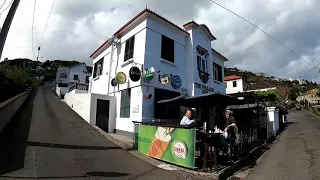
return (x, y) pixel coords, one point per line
(14, 80)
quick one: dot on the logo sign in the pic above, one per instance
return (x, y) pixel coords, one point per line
(176, 81)
(164, 79)
(114, 82)
(135, 74)
(149, 74)
(180, 149)
(121, 78)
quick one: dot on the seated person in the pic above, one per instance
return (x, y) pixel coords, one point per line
(186, 119)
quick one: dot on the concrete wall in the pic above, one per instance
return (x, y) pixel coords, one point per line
(230, 89)
(9, 107)
(80, 103)
(62, 90)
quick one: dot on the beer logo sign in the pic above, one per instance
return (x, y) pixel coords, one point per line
(180, 149)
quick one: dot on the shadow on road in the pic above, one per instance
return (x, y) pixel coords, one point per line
(88, 174)
(14, 136)
(66, 146)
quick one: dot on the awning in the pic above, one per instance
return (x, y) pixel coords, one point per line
(204, 100)
(245, 106)
(173, 100)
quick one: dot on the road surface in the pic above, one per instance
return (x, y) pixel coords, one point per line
(47, 140)
(296, 155)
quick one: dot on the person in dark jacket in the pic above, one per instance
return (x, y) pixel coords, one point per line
(231, 130)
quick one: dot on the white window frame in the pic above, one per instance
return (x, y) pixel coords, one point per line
(204, 59)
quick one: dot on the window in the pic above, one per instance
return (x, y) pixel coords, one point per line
(202, 56)
(87, 79)
(63, 75)
(217, 72)
(234, 83)
(125, 103)
(98, 68)
(76, 77)
(128, 53)
(167, 49)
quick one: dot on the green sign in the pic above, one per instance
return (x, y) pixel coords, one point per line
(174, 145)
(149, 74)
(121, 78)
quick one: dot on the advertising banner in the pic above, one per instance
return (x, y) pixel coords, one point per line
(174, 145)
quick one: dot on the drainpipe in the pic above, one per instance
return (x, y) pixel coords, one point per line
(109, 79)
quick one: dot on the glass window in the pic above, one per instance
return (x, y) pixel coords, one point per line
(125, 103)
(128, 54)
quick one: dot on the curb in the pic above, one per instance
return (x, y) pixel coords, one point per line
(123, 145)
(148, 159)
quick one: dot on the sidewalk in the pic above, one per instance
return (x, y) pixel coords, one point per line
(127, 144)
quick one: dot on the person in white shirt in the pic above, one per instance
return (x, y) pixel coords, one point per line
(186, 119)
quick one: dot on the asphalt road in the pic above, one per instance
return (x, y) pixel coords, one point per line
(296, 155)
(47, 140)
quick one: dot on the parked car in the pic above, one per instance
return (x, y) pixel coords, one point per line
(298, 107)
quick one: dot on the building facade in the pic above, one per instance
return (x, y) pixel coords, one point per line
(151, 59)
(75, 77)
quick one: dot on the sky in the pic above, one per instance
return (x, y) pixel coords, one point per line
(77, 27)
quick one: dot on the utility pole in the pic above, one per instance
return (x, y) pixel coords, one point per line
(38, 53)
(7, 24)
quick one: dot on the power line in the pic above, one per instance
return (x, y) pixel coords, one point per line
(47, 22)
(262, 31)
(6, 7)
(3, 3)
(34, 8)
(310, 70)
(307, 66)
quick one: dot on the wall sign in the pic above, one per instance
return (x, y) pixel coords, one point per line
(135, 74)
(176, 81)
(205, 89)
(114, 82)
(149, 74)
(121, 78)
(164, 79)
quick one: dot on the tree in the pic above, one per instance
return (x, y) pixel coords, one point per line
(284, 93)
(268, 95)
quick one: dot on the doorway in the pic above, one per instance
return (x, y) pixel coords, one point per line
(102, 115)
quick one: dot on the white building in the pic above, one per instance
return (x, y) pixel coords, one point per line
(70, 78)
(236, 84)
(147, 60)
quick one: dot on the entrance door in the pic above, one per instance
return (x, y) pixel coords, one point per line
(205, 115)
(102, 116)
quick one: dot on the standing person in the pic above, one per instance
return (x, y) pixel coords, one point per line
(231, 131)
(186, 119)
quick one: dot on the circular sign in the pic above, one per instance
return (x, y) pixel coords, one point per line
(121, 78)
(176, 81)
(179, 149)
(114, 82)
(135, 74)
(149, 74)
(164, 79)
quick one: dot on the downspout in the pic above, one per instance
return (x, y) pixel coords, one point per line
(109, 81)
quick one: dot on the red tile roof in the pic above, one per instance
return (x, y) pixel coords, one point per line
(232, 77)
(118, 34)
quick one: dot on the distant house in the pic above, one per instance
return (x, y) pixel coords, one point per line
(237, 86)
(74, 77)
